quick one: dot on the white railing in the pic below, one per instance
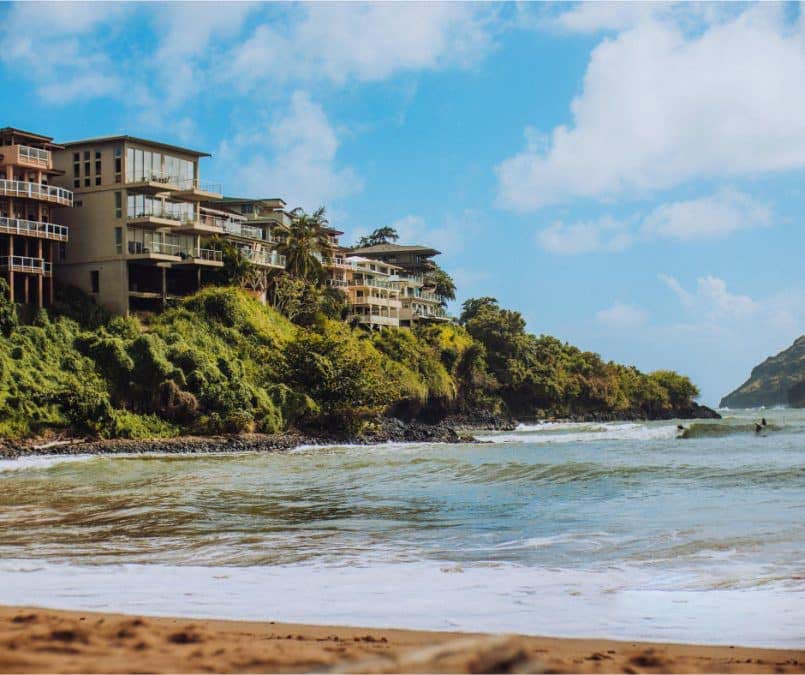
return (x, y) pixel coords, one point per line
(35, 155)
(375, 283)
(33, 228)
(263, 258)
(20, 263)
(160, 247)
(249, 231)
(152, 177)
(338, 283)
(339, 262)
(210, 254)
(25, 189)
(196, 184)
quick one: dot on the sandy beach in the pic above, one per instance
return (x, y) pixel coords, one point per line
(43, 640)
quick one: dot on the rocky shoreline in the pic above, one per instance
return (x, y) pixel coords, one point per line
(456, 429)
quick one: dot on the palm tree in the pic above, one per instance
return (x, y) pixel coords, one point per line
(306, 237)
(382, 235)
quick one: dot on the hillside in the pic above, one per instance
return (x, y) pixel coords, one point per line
(779, 380)
(221, 362)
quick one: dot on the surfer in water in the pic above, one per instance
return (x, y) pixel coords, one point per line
(760, 426)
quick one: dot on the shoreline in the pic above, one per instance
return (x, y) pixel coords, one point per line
(46, 640)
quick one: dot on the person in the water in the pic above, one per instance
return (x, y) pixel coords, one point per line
(763, 421)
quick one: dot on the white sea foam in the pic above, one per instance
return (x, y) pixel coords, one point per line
(584, 433)
(40, 462)
(626, 603)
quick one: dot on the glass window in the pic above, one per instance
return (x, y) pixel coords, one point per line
(97, 154)
(95, 281)
(130, 165)
(118, 205)
(97, 166)
(97, 180)
(86, 182)
(86, 155)
(119, 240)
(76, 157)
(76, 170)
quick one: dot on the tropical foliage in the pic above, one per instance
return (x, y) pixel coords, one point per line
(382, 235)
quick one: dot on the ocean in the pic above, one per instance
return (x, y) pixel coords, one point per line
(618, 530)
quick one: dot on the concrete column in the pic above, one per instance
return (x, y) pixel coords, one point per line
(10, 270)
(41, 280)
(164, 287)
(198, 272)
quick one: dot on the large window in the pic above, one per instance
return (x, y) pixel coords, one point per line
(155, 166)
(138, 206)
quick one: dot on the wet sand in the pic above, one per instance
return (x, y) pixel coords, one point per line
(36, 640)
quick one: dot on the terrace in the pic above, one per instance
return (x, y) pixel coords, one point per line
(33, 228)
(28, 190)
(19, 263)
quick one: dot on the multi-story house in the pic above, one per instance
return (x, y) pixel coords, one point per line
(138, 231)
(418, 300)
(256, 227)
(29, 209)
(375, 299)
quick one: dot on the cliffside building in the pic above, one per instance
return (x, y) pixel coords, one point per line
(138, 229)
(30, 211)
(418, 300)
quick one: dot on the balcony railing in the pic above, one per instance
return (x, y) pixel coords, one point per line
(338, 283)
(375, 283)
(201, 186)
(210, 254)
(264, 258)
(19, 263)
(34, 155)
(240, 229)
(153, 177)
(160, 247)
(25, 189)
(339, 262)
(33, 228)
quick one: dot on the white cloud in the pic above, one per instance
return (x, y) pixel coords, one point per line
(710, 217)
(621, 316)
(604, 234)
(661, 106)
(294, 157)
(339, 42)
(711, 300)
(714, 216)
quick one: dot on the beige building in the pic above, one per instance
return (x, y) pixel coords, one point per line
(374, 297)
(138, 229)
(31, 209)
(418, 300)
(256, 227)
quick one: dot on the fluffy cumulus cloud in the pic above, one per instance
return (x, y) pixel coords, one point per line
(713, 216)
(662, 105)
(603, 234)
(711, 298)
(339, 42)
(293, 156)
(621, 316)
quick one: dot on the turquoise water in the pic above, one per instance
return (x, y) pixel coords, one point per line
(611, 530)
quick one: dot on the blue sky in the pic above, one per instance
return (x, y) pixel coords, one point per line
(629, 176)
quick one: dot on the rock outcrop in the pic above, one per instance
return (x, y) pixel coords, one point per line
(779, 380)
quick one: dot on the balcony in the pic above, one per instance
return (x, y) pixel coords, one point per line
(372, 283)
(19, 263)
(33, 228)
(264, 258)
(153, 250)
(192, 189)
(25, 155)
(27, 190)
(152, 182)
(338, 283)
(204, 224)
(240, 229)
(201, 256)
(377, 319)
(340, 263)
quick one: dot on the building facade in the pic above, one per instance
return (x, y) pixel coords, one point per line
(373, 296)
(418, 300)
(138, 229)
(31, 210)
(257, 228)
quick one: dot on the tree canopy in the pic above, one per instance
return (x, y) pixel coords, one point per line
(382, 235)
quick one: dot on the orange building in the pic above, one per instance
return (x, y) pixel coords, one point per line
(30, 237)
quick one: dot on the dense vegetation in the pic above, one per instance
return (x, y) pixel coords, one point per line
(223, 362)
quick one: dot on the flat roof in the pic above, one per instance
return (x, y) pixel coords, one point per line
(252, 200)
(397, 248)
(136, 139)
(29, 134)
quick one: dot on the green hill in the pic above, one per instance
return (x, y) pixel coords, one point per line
(779, 380)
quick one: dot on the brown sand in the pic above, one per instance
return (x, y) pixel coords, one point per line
(37, 640)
